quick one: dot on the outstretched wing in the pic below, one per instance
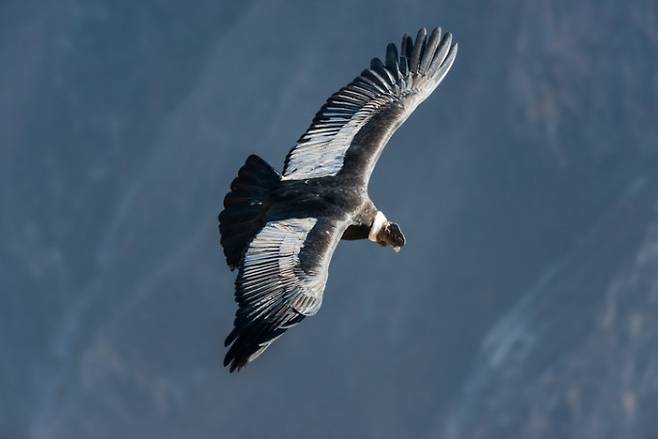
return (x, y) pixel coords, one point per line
(281, 281)
(351, 129)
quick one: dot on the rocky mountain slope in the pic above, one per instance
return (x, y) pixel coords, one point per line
(527, 186)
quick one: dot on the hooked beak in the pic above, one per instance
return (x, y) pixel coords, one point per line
(397, 249)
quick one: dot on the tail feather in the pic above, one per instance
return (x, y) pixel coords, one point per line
(245, 207)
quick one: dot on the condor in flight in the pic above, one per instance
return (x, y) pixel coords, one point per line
(281, 230)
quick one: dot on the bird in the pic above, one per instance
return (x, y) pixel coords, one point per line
(280, 230)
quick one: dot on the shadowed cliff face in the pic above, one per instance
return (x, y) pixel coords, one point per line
(522, 305)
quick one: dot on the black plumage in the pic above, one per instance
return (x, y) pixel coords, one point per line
(280, 230)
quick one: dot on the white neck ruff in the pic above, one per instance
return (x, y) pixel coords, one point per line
(377, 225)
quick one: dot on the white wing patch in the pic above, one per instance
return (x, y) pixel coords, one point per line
(272, 271)
(321, 150)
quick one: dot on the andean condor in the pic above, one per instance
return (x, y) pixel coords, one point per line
(281, 230)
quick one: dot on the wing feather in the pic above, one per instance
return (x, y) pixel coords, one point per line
(281, 281)
(349, 132)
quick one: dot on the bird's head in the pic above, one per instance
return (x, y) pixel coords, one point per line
(391, 235)
(386, 233)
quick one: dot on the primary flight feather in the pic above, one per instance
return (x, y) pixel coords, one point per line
(280, 230)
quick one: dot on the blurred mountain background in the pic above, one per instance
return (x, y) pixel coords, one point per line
(524, 306)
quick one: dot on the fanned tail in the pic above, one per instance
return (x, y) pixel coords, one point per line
(245, 207)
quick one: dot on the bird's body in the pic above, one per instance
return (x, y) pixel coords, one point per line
(280, 230)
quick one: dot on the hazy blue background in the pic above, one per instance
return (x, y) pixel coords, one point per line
(525, 304)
